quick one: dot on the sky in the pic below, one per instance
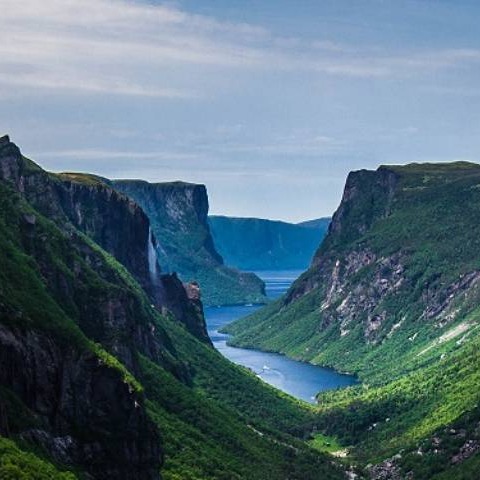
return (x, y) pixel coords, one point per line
(270, 103)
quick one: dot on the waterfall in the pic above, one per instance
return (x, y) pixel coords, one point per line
(152, 258)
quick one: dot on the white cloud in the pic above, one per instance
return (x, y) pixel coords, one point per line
(126, 48)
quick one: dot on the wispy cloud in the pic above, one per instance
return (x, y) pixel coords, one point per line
(125, 48)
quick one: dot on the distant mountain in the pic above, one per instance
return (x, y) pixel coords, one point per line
(317, 223)
(259, 244)
(178, 214)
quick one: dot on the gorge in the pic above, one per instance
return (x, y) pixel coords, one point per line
(109, 366)
(106, 374)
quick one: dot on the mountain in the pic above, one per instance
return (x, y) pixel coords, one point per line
(317, 223)
(106, 369)
(258, 244)
(178, 215)
(393, 295)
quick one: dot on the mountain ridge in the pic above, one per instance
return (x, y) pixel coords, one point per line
(262, 244)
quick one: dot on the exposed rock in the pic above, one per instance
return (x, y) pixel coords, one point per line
(111, 219)
(373, 188)
(71, 391)
(183, 300)
(440, 301)
(387, 470)
(469, 448)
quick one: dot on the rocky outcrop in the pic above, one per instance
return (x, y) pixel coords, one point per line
(367, 197)
(183, 300)
(349, 297)
(86, 414)
(83, 411)
(178, 212)
(112, 220)
(397, 269)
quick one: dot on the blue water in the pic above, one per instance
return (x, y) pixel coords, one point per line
(299, 379)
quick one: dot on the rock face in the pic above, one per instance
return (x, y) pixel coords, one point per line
(71, 391)
(88, 412)
(178, 213)
(397, 271)
(109, 218)
(257, 244)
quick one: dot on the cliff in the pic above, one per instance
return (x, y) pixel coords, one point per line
(107, 372)
(82, 405)
(400, 255)
(258, 244)
(393, 294)
(178, 214)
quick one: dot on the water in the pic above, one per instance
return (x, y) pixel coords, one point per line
(299, 379)
(152, 257)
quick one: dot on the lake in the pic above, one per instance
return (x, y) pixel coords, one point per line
(299, 379)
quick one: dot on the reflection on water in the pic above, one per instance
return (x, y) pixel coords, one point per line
(299, 379)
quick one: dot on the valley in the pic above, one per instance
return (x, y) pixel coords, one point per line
(107, 370)
(239, 240)
(99, 342)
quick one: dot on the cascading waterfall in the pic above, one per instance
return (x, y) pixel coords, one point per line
(152, 258)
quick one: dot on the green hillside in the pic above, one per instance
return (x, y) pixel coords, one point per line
(393, 295)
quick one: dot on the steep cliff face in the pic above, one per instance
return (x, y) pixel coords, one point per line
(398, 269)
(258, 244)
(58, 295)
(85, 414)
(109, 218)
(178, 214)
(393, 294)
(86, 411)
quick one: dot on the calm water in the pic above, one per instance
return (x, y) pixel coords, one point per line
(296, 378)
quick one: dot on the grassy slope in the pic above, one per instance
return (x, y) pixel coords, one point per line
(17, 464)
(204, 425)
(434, 220)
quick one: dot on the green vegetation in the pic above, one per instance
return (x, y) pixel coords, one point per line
(18, 464)
(21, 286)
(325, 443)
(217, 420)
(207, 439)
(395, 299)
(83, 178)
(406, 239)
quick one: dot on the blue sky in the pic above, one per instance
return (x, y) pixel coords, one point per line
(269, 103)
